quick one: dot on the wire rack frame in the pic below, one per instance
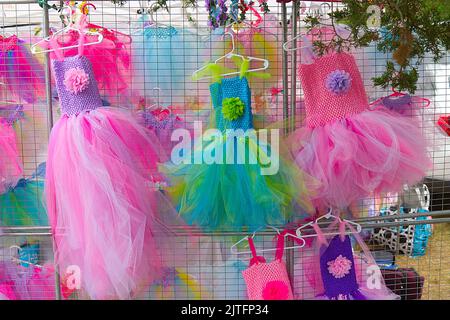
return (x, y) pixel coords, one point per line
(289, 106)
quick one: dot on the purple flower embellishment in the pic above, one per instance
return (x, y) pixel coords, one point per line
(338, 82)
(339, 267)
(76, 80)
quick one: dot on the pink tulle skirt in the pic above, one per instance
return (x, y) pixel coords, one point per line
(373, 151)
(10, 165)
(102, 205)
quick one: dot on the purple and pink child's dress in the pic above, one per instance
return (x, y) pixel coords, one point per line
(102, 204)
(336, 272)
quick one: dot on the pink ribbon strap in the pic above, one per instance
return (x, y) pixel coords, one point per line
(280, 247)
(320, 236)
(360, 241)
(255, 259)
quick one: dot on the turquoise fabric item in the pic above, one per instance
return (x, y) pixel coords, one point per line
(422, 233)
(23, 205)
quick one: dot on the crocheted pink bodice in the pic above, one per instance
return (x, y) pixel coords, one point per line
(333, 89)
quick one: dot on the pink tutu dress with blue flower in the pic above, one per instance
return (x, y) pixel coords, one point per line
(352, 150)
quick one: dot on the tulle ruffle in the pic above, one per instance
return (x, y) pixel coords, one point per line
(231, 196)
(373, 151)
(102, 204)
(162, 122)
(27, 283)
(10, 165)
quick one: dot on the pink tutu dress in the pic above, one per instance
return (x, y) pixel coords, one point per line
(352, 150)
(10, 165)
(102, 204)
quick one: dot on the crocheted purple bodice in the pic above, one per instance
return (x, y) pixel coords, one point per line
(76, 85)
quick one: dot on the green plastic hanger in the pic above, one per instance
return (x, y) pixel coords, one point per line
(212, 72)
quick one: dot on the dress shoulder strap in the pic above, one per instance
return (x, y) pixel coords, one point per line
(280, 247)
(255, 258)
(320, 235)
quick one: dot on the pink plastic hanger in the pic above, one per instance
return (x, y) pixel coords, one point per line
(80, 29)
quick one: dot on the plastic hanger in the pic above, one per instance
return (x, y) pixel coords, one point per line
(327, 216)
(20, 261)
(157, 104)
(71, 27)
(234, 246)
(288, 48)
(339, 29)
(294, 39)
(3, 27)
(6, 34)
(7, 102)
(230, 55)
(254, 25)
(156, 92)
(423, 102)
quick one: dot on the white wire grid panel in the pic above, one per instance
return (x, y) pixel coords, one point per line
(205, 268)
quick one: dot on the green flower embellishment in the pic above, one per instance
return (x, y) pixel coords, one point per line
(232, 108)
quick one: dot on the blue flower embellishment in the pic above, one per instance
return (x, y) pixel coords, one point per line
(338, 82)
